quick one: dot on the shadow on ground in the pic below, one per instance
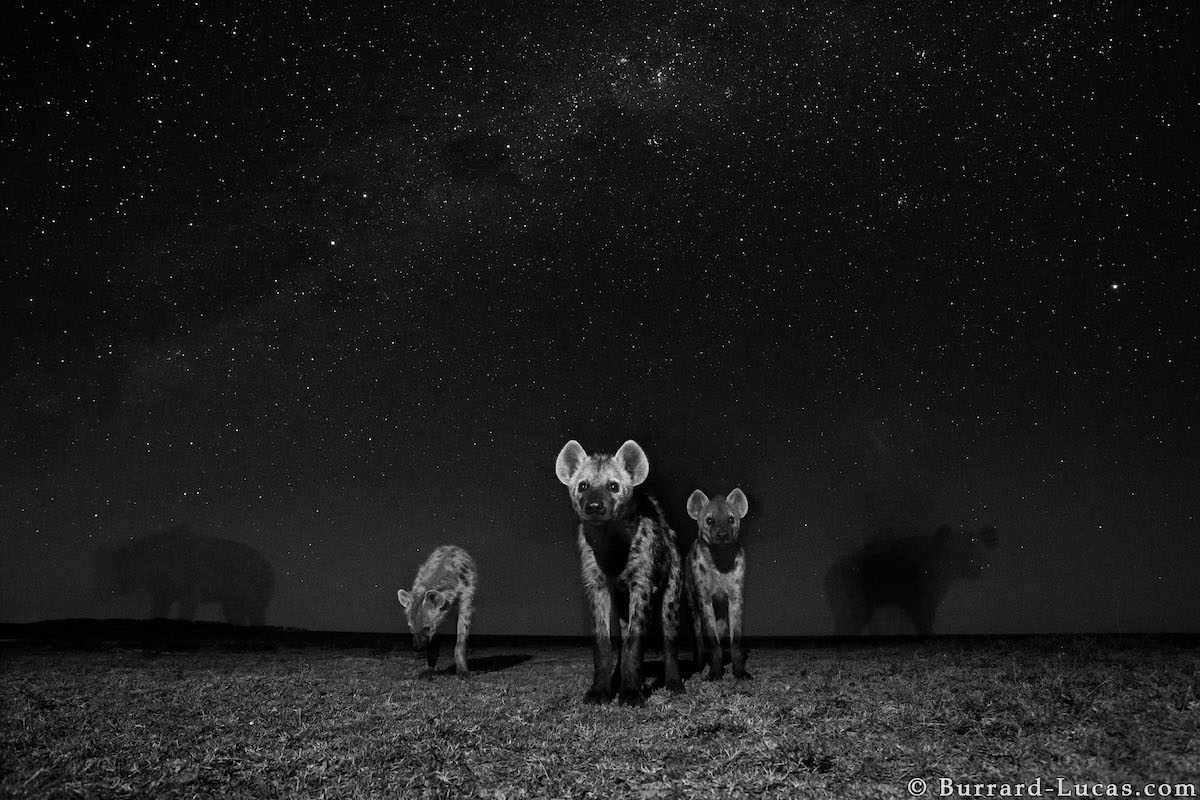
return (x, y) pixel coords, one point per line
(482, 664)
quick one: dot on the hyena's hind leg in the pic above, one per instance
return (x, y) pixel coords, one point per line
(466, 608)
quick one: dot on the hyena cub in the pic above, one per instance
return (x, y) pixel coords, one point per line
(715, 575)
(445, 580)
(630, 565)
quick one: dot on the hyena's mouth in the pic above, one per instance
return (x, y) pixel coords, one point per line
(593, 512)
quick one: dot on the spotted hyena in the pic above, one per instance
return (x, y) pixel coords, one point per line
(178, 568)
(911, 572)
(630, 565)
(445, 581)
(714, 575)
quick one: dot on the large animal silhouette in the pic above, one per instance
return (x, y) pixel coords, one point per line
(178, 567)
(910, 572)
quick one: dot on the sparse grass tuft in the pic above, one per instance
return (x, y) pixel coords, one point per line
(830, 721)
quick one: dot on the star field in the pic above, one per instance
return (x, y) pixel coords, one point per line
(340, 285)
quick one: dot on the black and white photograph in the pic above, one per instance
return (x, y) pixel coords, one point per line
(684, 399)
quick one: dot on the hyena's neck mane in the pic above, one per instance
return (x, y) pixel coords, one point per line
(724, 556)
(610, 539)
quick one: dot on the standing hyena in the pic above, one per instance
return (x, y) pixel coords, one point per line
(445, 580)
(630, 565)
(715, 575)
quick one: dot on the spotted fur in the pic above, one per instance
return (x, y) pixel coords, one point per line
(630, 563)
(715, 576)
(444, 582)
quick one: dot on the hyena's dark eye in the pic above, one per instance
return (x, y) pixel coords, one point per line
(708, 520)
(583, 486)
(614, 487)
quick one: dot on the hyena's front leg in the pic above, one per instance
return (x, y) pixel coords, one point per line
(603, 656)
(735, 635)
(466, 607)
(633, 645)
(716, 667)
(431, 656)
(670, 623)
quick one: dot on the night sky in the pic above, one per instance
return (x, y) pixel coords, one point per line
(339, 284)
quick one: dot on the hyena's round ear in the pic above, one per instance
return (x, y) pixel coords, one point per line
(569, 459)
(633, 459)
(404, 597)
(696, 504)
(435, 598)
(739, 502)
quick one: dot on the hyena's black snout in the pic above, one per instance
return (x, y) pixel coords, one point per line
(420, 642)
(722, 534)
(596, 505)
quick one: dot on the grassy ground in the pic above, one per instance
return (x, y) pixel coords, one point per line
(817, 721)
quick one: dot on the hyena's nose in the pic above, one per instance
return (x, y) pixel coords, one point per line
(594, 507)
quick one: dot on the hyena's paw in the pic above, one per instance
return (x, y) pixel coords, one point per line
(715, 673)
(426, 674)
(462, 672)
(597, 696)
(675, 686)
(632, 697)
(742, 674)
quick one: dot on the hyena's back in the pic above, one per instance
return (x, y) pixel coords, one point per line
(447, 569)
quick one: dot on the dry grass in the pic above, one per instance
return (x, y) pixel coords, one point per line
(821, 721)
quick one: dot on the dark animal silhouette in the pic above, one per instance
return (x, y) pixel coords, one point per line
(911, 573)
(178, 567)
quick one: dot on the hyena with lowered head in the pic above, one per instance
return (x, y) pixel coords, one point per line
(630, 565)
(715, 574)
(446, 580)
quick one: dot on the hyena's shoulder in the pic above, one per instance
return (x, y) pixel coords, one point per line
(649, 509)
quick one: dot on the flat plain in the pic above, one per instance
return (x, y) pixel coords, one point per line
(243, 717)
